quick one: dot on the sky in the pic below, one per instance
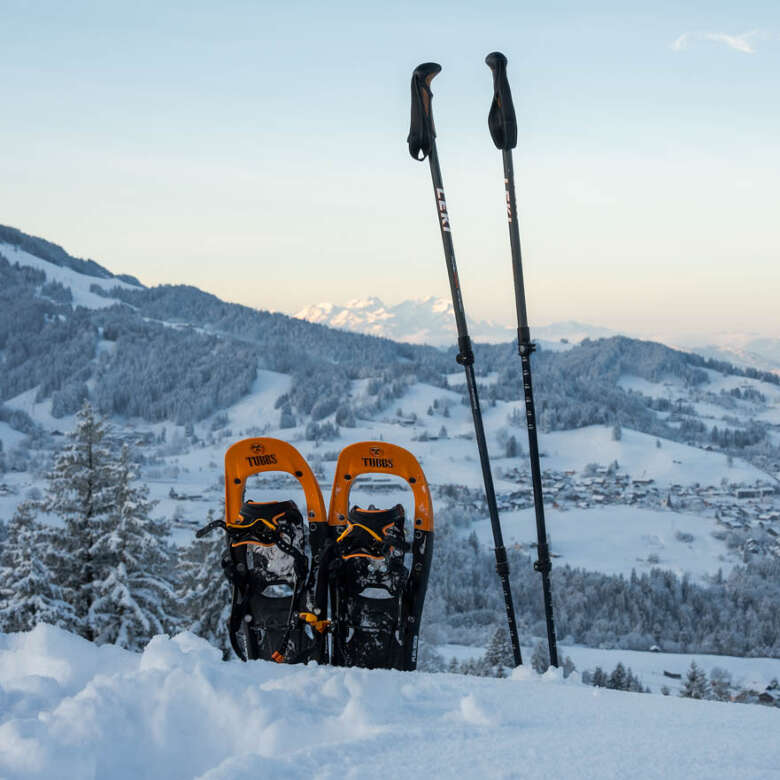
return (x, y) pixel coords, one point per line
(257, 150)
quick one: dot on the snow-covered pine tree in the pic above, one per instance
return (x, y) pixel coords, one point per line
(133, 596)
(696, 684)
(29, 593)
(81, 492)
(499, 650)
(618, 679)
(204, 593)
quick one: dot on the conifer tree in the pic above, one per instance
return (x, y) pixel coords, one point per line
(204, 594)
(133, 593)
(695, 686)
(29, 593)
(80, 491)
(499, 649)
(618, 679)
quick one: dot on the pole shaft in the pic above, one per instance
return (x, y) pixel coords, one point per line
(466, 359)
(525, 348)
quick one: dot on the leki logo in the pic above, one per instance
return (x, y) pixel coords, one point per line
(376, 451)
(443, 216)
(508, 202)
(258, 449)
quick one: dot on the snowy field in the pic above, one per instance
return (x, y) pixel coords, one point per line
(616, 539)
(70, 709)
(752, 673)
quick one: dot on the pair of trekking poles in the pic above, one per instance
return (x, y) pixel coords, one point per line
(422, 144)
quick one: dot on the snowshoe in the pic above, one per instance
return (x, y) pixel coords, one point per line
(377, 578)
(277, 611)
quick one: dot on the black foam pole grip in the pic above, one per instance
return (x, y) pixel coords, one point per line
(501, 119)
(422, 131)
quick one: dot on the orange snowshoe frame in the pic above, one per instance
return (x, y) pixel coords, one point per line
(252, 456)
(242, 460)
(377, 457)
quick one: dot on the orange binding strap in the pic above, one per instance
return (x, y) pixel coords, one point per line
(251, 456)
(378, 457)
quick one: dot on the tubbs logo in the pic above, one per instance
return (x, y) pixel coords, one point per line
(376, 451)
(508, 201)
(261, 459)
(378, 463)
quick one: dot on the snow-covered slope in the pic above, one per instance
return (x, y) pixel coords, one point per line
(70, 709)
(431, 321)
(78, 283)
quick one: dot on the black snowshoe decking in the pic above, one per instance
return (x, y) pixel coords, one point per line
(377, 593)
(277, 613)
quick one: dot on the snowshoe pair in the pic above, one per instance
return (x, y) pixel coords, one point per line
(360, 561)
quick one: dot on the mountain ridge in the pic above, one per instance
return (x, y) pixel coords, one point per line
(431, 320)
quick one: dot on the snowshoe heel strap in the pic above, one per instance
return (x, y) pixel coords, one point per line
(371, 533)
(260, 523)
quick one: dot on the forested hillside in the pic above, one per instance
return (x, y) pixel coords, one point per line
(176, 353)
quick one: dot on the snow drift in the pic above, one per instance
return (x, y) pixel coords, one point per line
(71, 709)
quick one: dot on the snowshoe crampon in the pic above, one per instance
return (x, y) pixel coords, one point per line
(377, 577)
(276, 613)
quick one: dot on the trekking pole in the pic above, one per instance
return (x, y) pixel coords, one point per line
(422, 139)
(503, 129)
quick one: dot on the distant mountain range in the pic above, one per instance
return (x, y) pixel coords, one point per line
(742, 349)
(432, 321)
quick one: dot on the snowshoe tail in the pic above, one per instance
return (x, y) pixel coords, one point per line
(377, 592)
(276, 612)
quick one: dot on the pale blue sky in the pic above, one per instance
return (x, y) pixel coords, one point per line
(257, 150)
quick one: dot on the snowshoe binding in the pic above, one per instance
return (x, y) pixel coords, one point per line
(277, 611)
(377, 578)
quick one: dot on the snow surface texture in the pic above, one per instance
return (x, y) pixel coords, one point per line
(70, 709)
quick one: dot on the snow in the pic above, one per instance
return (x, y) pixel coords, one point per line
(74, 710)
(616, 539)
(40, 411)
(79, 283)
(638, 456)
(752, 673)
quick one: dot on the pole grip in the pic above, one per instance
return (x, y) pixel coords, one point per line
(422, 131)
(501, 119)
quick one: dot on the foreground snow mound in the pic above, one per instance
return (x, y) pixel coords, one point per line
(69, 709)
